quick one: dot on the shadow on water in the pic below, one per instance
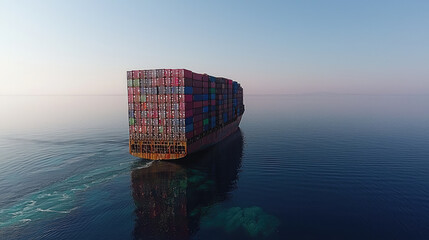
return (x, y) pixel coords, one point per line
(171, 197)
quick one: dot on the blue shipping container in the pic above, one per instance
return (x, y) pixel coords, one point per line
(189, 127)
(189, 120)
(198, 97)
(188, 90)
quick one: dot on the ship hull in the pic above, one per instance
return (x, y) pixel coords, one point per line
(189, 147)
(214, 137)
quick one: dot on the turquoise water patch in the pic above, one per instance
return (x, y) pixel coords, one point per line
(253, 220)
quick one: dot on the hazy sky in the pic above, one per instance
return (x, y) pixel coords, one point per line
(86, 47)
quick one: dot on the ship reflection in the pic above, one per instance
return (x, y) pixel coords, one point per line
(171, 197)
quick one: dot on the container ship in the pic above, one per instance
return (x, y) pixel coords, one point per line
(176, 112)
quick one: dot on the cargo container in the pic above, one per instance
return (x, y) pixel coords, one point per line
(175, 112)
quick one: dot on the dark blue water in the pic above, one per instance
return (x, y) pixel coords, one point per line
(301, 167)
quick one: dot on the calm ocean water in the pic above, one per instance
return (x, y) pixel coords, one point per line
(301, 167)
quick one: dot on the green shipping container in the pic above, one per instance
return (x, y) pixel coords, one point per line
(130, 83)
(132, 121)
(206, 121)
(212, 90)
(136, 83)
(143, 98)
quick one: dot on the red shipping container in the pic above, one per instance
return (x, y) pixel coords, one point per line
(198, 90)
(136, 98)
(188, 98)
(185, 73)
(197, 110)
(129, 75)
(181, 81)
(198, 124)
(189, 105)
(198, 117)
(136, 74)
(175, 82)
(167, 81)
(197, 76)
(189, 113)
(182, 106)
(198, 131)
(205, 103)
(213, 102)
(161, 122)
(197, 83)
(130, 91)
(130, 99)
(198, 104)
(189, 82)
(167, 72)
(205, 84)
(205, 78)
(189, 134)
(181, 73)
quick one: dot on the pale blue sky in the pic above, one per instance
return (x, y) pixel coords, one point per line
(290, 47)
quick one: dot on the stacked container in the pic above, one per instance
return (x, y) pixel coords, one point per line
(173, 112)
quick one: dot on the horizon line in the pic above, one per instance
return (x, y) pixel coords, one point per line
(250, 94)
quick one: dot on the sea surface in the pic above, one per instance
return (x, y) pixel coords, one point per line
(300, 167)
